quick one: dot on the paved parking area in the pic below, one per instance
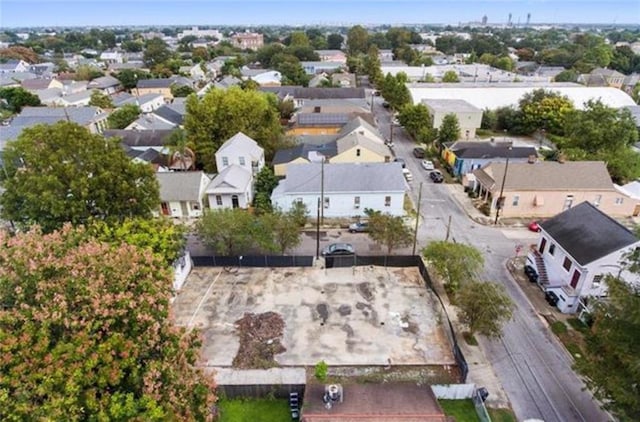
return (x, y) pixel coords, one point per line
(346, 316)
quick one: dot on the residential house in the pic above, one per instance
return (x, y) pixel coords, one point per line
(173, 113)
(344, 80)
(80, 99)
(238, 161)
(14, 66)
(345, 106)
(38, 84)
(464, 157)
(469, 117)
(247, 40)
(150, 102)
(49, 96)
(263, 77)
(336, 56)
(132, 65)
(362, 126)
(348, 188)
(318, 123)
(150, 121)
(43, 70)
(630, 82)
(122, 98)
(141, 140)
(546, 188)
(182, 193)
(111, 57)
(576, 250)
(385, 55)
(313, 68)
(74, 87)
(156, 159)
(194, 71)
(106, 84)
(603, 77)
(227, 82)
(155, 86)
(8, 80)
(302, 154)
(319, 80)
(358, 148)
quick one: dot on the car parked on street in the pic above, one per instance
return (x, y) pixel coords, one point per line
(401, 161)
(407, 174)
(338, 249)
(418, 152)
(359, 227)
(427, 165)
(436, 176)
(534, 226)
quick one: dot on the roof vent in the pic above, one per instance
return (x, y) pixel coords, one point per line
(316, 109)
(333, 393)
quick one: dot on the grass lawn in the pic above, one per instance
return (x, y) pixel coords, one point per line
(460, 410)
(255, 410)
(501, 415)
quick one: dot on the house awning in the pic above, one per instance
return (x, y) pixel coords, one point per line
(538, 201)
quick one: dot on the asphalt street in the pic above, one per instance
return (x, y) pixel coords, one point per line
(533, 367)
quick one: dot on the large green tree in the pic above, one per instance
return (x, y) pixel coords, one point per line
(16, 98)
(357, 40)
(389, 231)
(456, 263)
(394, 90)
(484, 307)
(220, 114)
(284, 232)
(266, 182)
(542, 109)
(416, 119)
(230, 231)
(449, 129)
(100, 99)
(62, 173)
(129, 77)
(156, 53)
(85, 334)
(334, 41)
(123, 116)
(611, 362)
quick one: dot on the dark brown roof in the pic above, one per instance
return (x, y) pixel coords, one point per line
(389, 402)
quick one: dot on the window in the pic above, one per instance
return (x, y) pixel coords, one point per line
(516, 199)
(326, 202)
(225, 161)
(597, 279)
(219, 200)
(241, 160)
(298, 200)
(568, 202)
(596, 202)
(195, 206)
(566, 264)
(358, 152)
(619, 201)
(552, 249)
(356, 202)
(387, 201)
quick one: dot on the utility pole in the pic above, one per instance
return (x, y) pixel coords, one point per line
(318, 231)
(500, 201)
(415, 231)
(446, 239)
(322, 191)
(391, 132)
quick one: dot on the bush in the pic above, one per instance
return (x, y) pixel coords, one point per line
(321, 371)
(558, 327)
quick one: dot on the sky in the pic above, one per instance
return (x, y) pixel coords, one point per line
(20, 13)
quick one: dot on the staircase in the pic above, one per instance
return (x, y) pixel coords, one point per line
(543, 279)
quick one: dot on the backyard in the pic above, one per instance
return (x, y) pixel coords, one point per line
(255, 410)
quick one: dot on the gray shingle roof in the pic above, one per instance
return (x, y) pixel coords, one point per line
(587, 234)
(173, 113)
(287, 155)
(547, 175)
(356, 139)
(243, 143)
(354, 124)
(154, 83)
(140, 138)
(477, 149)
(180, 185)
(343, 178)
(103, 82)
(152, 122)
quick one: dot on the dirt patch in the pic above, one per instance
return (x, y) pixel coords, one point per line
(344, 310)
(408, 325)
(260, 340)
(323, 311)
(365, 291)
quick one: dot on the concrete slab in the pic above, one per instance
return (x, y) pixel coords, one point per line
(361, 316)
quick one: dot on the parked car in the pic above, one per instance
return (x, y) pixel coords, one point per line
(359, 227)
(436, 176)
(531, 273)
(551, 298)
(386, 104)
(401, 161)
(338, 249)
(534, 226)
(418, 152)
(427, 165)
(376, 93)
(407, 174)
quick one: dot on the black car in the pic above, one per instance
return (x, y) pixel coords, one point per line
(436, 176)
(337, 249)
(418, 152)
(401, 161)
(551, 298)
(386, 104)
(531, 273)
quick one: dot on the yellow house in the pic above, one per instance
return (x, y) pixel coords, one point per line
(302, 154)
(155, 86)
(357, 148)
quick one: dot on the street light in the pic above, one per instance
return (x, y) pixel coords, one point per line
(500, 201)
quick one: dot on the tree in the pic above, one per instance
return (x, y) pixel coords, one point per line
(17, 98)
(394, 90)
(542, 109)
(450, 76)
(415, 119)
(334, 41)
(62, 173)
(179, 91)
(129, 77)
(456, 263)
(567, 76)
(389, 231)
(123, 116)
(449, 129)
(610, 360)
(299, 213)
(280, 231)
(229, 231)
(95, 340)
(266, 182)
(180, 150)
(357, 40)
(98, 99)
(156, 53)
(87, 73)
(220, 114)
(484, 307)
(320, 371)
(372, 66)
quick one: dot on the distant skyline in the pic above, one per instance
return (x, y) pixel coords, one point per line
(24, 13)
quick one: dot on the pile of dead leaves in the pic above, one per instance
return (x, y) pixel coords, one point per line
(260, 337)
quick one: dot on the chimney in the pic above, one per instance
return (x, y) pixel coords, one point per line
(532, 159)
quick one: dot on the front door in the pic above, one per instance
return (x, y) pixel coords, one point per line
(234, 201)
(542, 245)
(165, 208)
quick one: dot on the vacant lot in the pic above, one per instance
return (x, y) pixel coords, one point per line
(361, 316)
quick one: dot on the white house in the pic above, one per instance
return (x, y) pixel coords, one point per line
(150, 102)
(348, 188)
(242, 151)
(182, 193)
(13, 66)
(263, 77)
(231, 188)
(576, 250)
(111, 57)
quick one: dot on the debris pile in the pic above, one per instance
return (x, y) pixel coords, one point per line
(260, 337)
